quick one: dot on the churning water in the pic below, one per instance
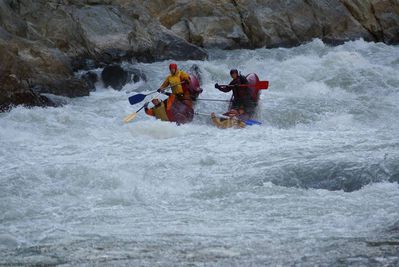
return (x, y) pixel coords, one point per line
(316, 184)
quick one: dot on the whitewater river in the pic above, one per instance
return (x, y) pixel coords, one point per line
(316, 184)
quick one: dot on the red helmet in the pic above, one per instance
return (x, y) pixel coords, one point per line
(173, 66)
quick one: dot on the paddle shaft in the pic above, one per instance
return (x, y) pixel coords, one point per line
(215, 100)
(206, 114)
(148, 102)
(171, 86)
(137, 98)
(261, 85)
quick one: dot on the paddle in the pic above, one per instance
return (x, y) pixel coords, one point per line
(134, 99)
(133, 115)
(216, 100)
(137, 98)
(259, 85)
(247, 122)
(206, 114)
(252, 122)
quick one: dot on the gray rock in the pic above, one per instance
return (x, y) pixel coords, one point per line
(44, 42)
(16, 92)
(270, 23)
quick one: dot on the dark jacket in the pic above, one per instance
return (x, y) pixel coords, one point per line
(241, 95)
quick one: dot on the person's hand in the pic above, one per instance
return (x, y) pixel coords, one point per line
(213, 115)
(217, 86)
(160, 90)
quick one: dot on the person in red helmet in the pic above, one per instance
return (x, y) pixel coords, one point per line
(179, 81)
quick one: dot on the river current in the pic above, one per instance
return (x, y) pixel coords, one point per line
(315, 185)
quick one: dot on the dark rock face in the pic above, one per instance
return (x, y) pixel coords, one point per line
(70, 87)
(114, 76)
(136, 75)
(90, 78)
(15, 92)
(44, 42)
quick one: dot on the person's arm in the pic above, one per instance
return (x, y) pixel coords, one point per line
(235, 84)
(148, 111)
(184, 77)
(222, 88)
(165, 83)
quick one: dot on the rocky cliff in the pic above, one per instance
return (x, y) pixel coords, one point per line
(42, 43)
(271, 23)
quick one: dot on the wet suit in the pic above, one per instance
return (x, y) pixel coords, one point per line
(241, 95)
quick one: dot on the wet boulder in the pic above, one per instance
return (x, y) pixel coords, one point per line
(137, 75)
(114, 76)
(69, 87)
(90, 78)
(15, 92)
(117, 77)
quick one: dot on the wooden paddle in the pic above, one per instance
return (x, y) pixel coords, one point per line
(133, 115)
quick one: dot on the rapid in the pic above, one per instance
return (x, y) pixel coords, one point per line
(315, 184)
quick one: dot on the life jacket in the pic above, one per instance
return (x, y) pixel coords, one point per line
(175, 80)
(241, 94)
(160, 112)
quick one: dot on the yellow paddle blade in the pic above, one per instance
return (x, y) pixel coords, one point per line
(130, 117)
